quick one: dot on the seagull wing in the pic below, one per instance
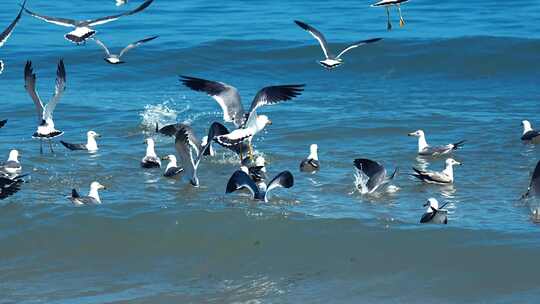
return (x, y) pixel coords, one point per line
(275, 94)
(534, 187)
(318, 35)
(30, 86)
(239, 180)
(284, 179)
(226, 96)
(372, 169)
(136, 44)
(4, 36)
(58, 21)
(102, 45)
(357, 44)
(58, 90)
(108, 19)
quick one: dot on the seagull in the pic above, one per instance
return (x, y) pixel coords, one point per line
(172, 169)
(331, 61)
(45, 129)
(434, 214)
(311, 163)
(3, 123)
(4, 36)
(387, 4)
(257, 172)
(445, 177)
(375, 173)
(150, 160)
(248, 123)
(240, 180)
(529, 135)
(83, 28)
(116, 59)
(121, 2)
(12, 166)
(91, 199)
(91, 144)
(426, 150)
(10, 185)
(534, 186)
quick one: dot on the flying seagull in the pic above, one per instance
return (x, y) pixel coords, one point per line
(529, 135)
(91, 144)
(150, 159)
(91, 199)
(387, 4)
(83, 28)
(241, 180)
(375, 172)
(45, 129)
(444, 177)
(426, 150)
(311, 163)
(4, 36)
(116, 59)
(534, 186)
(12, 166)
(434, 214)
(248, 123)
(172, 169)
(10, 185)
(331, 61)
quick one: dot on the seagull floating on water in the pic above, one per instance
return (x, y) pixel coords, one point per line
(331, 61)
(91, 199)
(4, 36)
(116, 59)
(150, 160)
(444, 177)
(311, 163)
(12, 166)
(172, 169)
(248, 123)
(45, 129)
(241, 180)
(376, 174)
(426, 150)
(387, 4)
(434, 214)
(529, 134)
(83, 28)
(10, 185)
(91, 143)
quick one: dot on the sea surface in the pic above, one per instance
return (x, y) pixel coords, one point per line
(459, 70)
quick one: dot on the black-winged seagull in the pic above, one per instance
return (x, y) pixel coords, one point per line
(387, 4)
(331, 61)
(117, 59)
(4, 36)
(434, 214)
(444, 177)
(150, 159)
(529, 134)
(426, 150)
(10, 185)
(12, 166)
(311, 163)
(45, 129)
(241, 180)
(83, 28)
(91, 143)
(172, 169)
(91, 199)
(376, 173)
(248, 123)
(534, 186)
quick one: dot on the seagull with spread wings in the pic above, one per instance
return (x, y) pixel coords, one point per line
(83, 28)
(45, 129)
(116, 59)
(331, 61)
(4, 36)
(248, 123)
(241, 180)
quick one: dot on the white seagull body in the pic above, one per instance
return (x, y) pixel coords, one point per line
(150, 159)
(45, 129)
(387, 4)
(12, 166)
(4, 36)
(117, 59)
(90, 146)
(444, 177)
(426, 150)
(331, 61)
(83, 28)
(311, 163)
(172, 169)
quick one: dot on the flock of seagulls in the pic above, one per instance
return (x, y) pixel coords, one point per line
(251, 175)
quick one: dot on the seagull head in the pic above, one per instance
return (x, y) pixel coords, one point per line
(93, 134)
(431, 204)
(13, 155)
(149, 142)
(169, 157)
(526, 125)
(263, 121)
(417, 133)
(452, 162)
(97, 186)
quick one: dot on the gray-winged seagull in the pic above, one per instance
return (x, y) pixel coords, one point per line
(387, 4)
(91, 143)
(444, 177)
(117, 59)
(426, 150)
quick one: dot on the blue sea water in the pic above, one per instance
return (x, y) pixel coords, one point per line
(458, 70)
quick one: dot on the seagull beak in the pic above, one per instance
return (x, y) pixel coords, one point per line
(269, 122)
(98, 135)
(426, 204)
(411, 134)
(165, 158)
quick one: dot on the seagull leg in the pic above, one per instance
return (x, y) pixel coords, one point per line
(389, 25)
(251, 152)
(50, 146)
(401, 21)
